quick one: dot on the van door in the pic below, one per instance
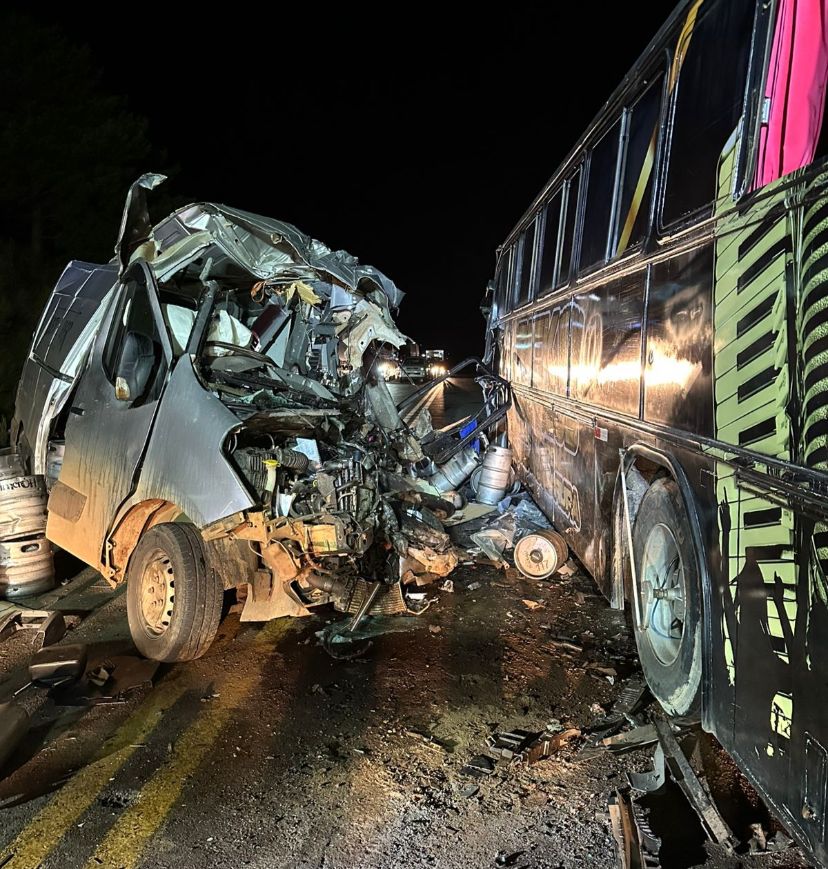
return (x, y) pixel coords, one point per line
(110, 417)
(59, 347)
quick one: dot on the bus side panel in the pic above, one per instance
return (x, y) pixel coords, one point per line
(678, 386)
(770, 395)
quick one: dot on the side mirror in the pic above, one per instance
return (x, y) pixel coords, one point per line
(135, 366)
(58, 665)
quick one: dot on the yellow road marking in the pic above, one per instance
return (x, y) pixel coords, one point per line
(42, 834)
(125, 842)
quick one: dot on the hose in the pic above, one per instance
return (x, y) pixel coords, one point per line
(328, 584)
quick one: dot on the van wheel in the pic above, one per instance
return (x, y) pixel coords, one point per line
(174, 596)
(667, 568)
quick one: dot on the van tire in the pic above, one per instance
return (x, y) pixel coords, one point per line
(174, 595)
(670, 648)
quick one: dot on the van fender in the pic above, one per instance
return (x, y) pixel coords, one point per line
(130, 523)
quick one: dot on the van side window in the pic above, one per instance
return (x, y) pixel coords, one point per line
(599, 198)
(639, 161)
(708, 84)
(134, 314)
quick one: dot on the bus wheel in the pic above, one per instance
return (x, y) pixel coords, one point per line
(174, 597)
(667, 612)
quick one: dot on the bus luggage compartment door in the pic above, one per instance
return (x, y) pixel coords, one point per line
(574, 483)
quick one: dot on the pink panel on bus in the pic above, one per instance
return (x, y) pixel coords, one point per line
(796, 89)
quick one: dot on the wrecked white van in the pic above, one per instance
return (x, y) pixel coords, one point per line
(225, 427)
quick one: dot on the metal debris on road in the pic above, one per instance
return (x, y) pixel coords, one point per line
(526, 747)
(684, 776)
(479, 766)
(638, 847)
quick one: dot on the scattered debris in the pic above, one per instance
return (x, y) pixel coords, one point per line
(511, 743)
(496, 537)
(638, 847)
(480, 765)
(447, 585)
(473, 586)
(600, 671)
(111, 682)
(57, 665)
(630, 740)
(682, 773)
(99, 676)
(469, 791)
(49, 625)
(525, 747)
(533, 604)
(505, 858)
(540, 553)
(545, 746)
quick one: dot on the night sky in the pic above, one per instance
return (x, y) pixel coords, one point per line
(414, 142)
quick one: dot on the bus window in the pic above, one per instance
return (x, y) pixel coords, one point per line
(522, 359)
(501, 286)
(510, 279)
(524, 274)
(599, 198)
(637, 183)
(606, 344)
(549, 250)
(570, 216)
(708, 81)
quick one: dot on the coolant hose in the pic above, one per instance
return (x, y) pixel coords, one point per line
(292, 459)
(327, 584)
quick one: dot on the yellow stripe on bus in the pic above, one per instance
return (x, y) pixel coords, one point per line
(649, 158)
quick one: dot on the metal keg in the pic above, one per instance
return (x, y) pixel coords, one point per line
(54, 462)
(494, 478)
(540, 554)
(26, 567)
(22, 506)
(11, 465)
(456, 470)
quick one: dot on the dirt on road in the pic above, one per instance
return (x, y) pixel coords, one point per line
(269, 753)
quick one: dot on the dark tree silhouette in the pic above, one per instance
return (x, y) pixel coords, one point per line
(68, 151)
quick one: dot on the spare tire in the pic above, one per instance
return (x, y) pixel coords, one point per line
(669, 638)
(174, 596)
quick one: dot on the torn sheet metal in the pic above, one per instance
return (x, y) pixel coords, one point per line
(638, 846)
(682, 773)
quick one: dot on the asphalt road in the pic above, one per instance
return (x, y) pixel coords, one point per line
(268, 753)
(447, 402)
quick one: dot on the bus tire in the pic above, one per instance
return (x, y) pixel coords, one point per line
(668, 575)
(174, 596)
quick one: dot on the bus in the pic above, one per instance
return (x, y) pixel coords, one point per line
(661, 311)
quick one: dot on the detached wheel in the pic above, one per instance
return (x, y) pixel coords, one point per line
(669, 633)
(174, 597)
